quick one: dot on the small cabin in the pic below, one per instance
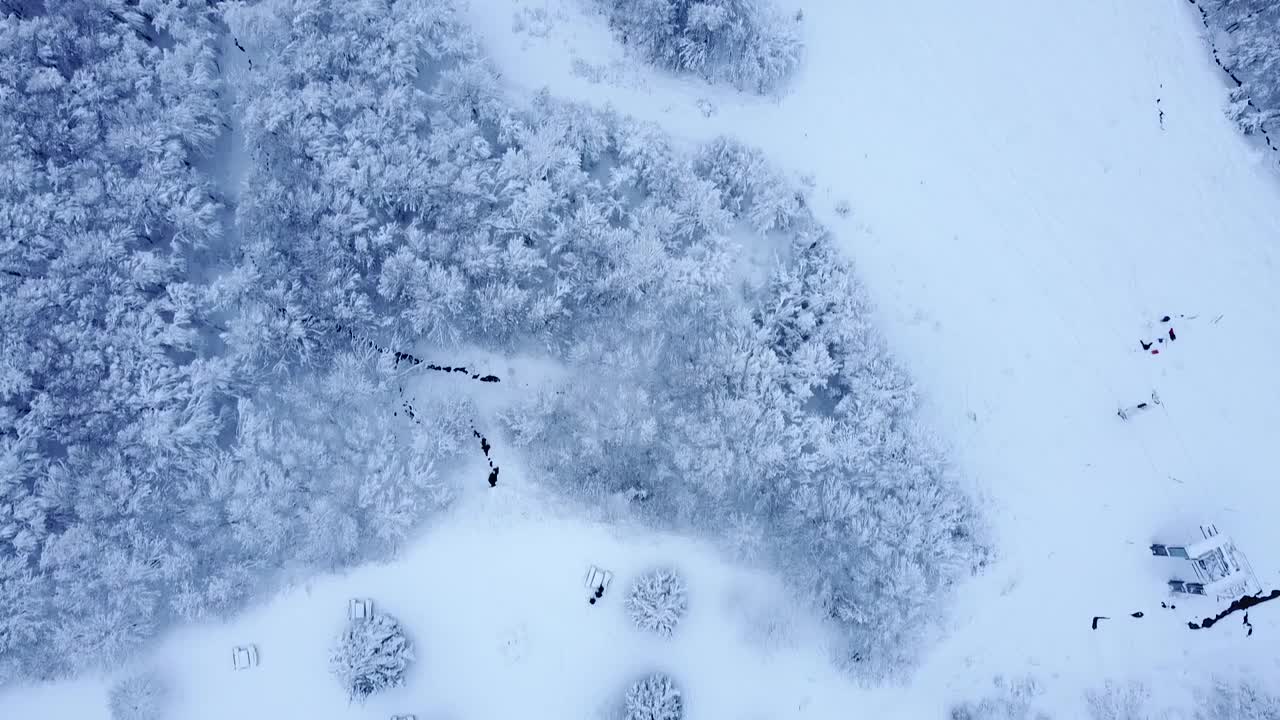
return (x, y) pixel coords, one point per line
(1213, 566)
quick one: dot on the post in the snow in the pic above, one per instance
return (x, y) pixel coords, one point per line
(1213, 567)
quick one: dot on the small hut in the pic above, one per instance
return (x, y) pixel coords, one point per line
(1212, 566)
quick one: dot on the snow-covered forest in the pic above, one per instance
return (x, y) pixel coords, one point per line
(187, 415)
(312, 307)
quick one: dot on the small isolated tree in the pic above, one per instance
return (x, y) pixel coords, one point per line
(655, 697)
(140, 697)
(657, 601)
(372, 654)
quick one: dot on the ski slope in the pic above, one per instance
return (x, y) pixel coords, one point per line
(1021, 216)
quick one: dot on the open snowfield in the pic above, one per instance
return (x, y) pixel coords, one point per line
(1022, 220)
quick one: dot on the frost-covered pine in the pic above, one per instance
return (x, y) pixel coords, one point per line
(371, 655)
(657, 601)
(655, 697)
(747, 43)
(140, 697)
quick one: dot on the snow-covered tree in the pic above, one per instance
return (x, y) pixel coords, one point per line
(1239, 700)
(139, 697)
(1121, 700)
(372, 654)
(657, 601)
(1246, 39)
(1247, 116)
(744, 42)
(655, 697)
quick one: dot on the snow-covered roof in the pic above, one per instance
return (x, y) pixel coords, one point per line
(1208, 545)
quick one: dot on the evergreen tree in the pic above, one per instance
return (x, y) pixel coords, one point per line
(139, 697)
(372, 654)
(657, 601)
(655, 697)
(744, 42)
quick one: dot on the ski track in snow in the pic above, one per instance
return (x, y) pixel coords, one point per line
(1021, 219)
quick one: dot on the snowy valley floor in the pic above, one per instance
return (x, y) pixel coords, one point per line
(1020, 218)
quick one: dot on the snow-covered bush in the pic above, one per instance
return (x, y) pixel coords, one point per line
(1238, 700)
(744, 42)
(372, 654)
(657, 602)
(139, 697)
(655, 697)
(1120, 700)
(1010, 700)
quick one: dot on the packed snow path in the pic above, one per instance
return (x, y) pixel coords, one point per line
(1021, 217)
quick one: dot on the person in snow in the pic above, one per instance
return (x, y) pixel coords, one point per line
(1150, 346)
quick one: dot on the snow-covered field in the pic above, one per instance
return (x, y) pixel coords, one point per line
(1022, 219)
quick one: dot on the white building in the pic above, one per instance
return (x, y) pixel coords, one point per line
(1212, 566)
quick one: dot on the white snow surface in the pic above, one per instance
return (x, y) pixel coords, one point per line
(1021, 220)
